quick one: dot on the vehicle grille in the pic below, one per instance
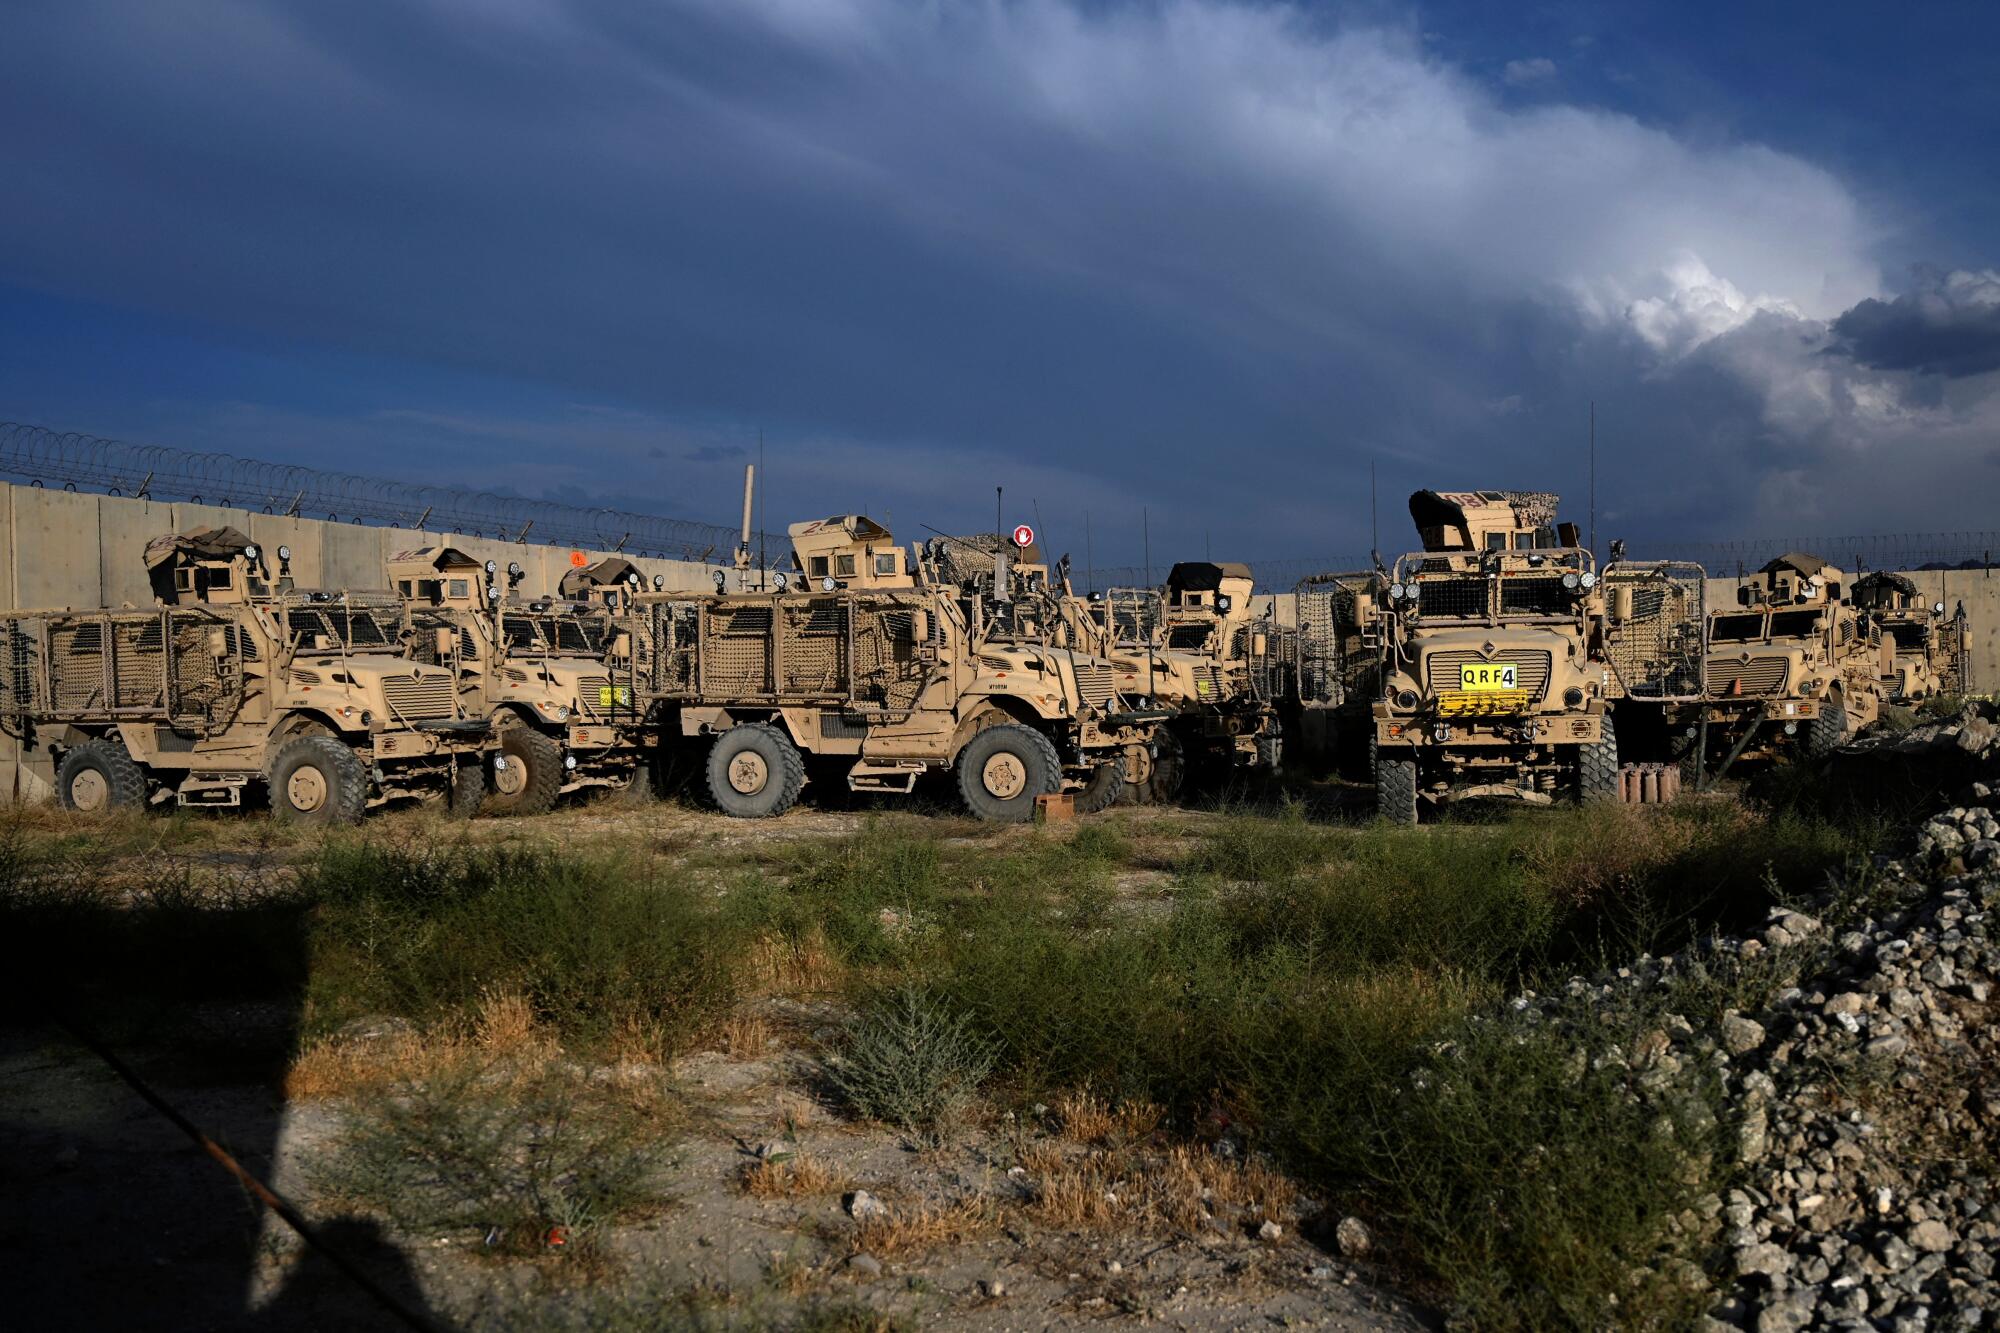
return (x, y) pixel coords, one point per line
(591, 692)
(419, 696)
(1451, 596)
(1759, 676)
(1441, 669)
(1208, 684)
(1094, 683)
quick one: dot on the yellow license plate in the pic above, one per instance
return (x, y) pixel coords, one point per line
(613, 695)
(1480, 676)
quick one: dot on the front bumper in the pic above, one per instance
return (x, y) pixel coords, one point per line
(1411, 731)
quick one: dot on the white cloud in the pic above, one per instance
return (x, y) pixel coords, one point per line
(1522, 73)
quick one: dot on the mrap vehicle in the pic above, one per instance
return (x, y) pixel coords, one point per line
(880, 670)
(238, 683)
(536, 670)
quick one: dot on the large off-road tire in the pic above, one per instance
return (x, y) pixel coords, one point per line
(1827, 732)
(1395, 785)
(525, 775)
(1169, 771)
(1003, 769)
(318, 780)
(1271, 753)
(467, 791)
(1597, 767)
(1102, 789)
(98, 777)
(754, 771)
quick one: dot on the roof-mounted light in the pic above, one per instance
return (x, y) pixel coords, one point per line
(284, 553)
(828, 584)
(250, 551)
(514, 570)
(1571, 581)
(492, 566)
(1587, 579)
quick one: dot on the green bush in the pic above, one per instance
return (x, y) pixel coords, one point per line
(499, 1150)
(594, 949)
(910, 1062)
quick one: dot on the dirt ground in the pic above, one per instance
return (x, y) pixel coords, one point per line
(115, 1219)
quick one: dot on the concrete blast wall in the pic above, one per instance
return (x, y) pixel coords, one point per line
(69, 549)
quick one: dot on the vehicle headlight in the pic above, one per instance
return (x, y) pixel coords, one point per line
(559, 713)
(1571, 582)
(1573, 697)
(1406, 699)
(1587, 579)
(1223, 604)
(1397, 592)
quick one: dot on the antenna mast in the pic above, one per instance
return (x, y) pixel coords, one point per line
(1374, 524)
(763, 538)
(1593, 479)
(743, 543)
(1146, 536)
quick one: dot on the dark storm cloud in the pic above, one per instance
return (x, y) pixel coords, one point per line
(1950, 325)
(1202, 256)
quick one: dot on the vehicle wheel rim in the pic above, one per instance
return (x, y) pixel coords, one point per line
(306, 789)
(748, 773)
(89, 791)
(510, 775)
(1004, 776)
(1138, 764)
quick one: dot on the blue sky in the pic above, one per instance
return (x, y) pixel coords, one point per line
(1199, 258)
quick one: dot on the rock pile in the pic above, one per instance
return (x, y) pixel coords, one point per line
(1858, 1092)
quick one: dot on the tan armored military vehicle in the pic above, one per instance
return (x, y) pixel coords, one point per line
(238, 681)
(1197, 649)
(1790, 666)
(1494, 679)
(536, 669)
(1930, 646)
(883, 669)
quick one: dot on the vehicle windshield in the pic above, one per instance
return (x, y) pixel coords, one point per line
(349, 626)
(1796, 624)
(551, 633)
(1908, 634)
(1736, 629)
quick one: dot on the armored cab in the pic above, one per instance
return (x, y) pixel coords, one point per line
(541, 671)
(608, 583)
(1790, 667)
(847, 551)
(880, 667)
(1930, 656)
(1494, 679)
(238, 682)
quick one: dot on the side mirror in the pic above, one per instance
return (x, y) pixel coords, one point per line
(1260, 644)
(323, 643)
(446, 642)
(621, 644)
(1743, 596)
(1621, 602)
(920, 627)
(218, 640)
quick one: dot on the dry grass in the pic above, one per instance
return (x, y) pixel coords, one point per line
(745, 1036)
(338, 1067)
(782, 966)
(1181, 1187)
(1083, 1117)
(904, 1233)
(792, 1176)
